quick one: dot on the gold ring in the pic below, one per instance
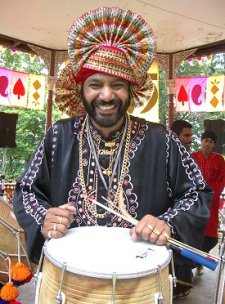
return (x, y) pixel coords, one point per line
(156, 231)
(54, 227)
(150, 227)
(166, 236)
(49, 234)
(60, 219)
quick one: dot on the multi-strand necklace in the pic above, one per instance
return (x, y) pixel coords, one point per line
(125, 142)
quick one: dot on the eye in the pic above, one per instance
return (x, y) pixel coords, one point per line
(94, 85)
(119, 85)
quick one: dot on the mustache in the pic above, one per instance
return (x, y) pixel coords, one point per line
(100, 102)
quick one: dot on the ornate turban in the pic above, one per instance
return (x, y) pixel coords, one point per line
(107, 40)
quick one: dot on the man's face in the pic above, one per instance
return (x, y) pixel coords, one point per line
(106, 99)
(186, 137)
(207, 145)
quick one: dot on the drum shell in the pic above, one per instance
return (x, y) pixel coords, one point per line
(9, 229)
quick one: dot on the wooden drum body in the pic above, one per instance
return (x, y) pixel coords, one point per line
(12, 240)
(103, 265)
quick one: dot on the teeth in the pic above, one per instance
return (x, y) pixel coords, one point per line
(108, 107)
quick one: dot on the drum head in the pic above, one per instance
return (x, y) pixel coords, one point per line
(102, 251)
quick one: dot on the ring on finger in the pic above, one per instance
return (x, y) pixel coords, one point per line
(156, 231)
(55, 227)
(49, 234)
(60, 219)
(150, 227)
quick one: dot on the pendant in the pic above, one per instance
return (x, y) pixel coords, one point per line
(107, 172)
(106, 152)
(110, 144)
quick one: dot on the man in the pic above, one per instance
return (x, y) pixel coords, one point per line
(212, 166)
(183, 129)
(104, 152)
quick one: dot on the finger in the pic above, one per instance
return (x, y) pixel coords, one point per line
(162, 239)
(61, 228)
(147, 232)
(56, 234)
(49, 234)
(68, 207)
(134, 235)
(61, 220)
(154, 236)
(57, 214)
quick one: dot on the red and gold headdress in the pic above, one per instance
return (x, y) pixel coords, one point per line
(107, 40)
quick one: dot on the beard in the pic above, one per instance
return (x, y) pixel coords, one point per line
(106, 120)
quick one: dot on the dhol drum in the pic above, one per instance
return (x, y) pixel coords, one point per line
(103, 265)
(12, 240)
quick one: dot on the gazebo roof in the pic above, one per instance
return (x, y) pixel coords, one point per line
(178, 25)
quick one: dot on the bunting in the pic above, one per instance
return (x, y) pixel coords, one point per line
(182, 89)
(18, 89)
(5, 80)
(36, 95)
(24, 90)
(196, 94)
(200, 94)
(214, 97)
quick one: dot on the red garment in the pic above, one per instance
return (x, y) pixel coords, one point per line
(213, 170)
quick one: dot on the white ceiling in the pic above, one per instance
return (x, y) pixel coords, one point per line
(177, 24)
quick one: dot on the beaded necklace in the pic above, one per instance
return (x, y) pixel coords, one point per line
(127, 135)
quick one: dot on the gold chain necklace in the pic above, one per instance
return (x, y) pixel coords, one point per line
(123, 169)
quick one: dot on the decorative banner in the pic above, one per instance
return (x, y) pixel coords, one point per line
(182, 89)
(214, 93)
(196, 94)
(16, 88)
(5, 80)
(36, 95)
(200, 94)
(19, 89)
(151, 111)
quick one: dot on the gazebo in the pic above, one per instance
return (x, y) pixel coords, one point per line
(182, 29)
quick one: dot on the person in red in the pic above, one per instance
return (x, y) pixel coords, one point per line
(212, 166)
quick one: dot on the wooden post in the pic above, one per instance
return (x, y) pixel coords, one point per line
(171, 92)
(50, 93)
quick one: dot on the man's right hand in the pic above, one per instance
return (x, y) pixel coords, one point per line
(57, 221)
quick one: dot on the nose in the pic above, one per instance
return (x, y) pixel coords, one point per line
(107, 94)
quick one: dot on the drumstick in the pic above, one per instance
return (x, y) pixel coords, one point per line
(184, 249)
(171, 240)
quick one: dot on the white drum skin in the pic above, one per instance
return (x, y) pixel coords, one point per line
(95, 255)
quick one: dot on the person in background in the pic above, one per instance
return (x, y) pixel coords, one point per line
(183, 129)
(212, 166)
(103, 151)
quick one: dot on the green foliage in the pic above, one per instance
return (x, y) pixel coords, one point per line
(31, 123)
(163, 99)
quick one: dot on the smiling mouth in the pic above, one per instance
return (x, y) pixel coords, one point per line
(107, 109)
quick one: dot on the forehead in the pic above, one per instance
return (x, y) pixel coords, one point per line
(101, 77)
